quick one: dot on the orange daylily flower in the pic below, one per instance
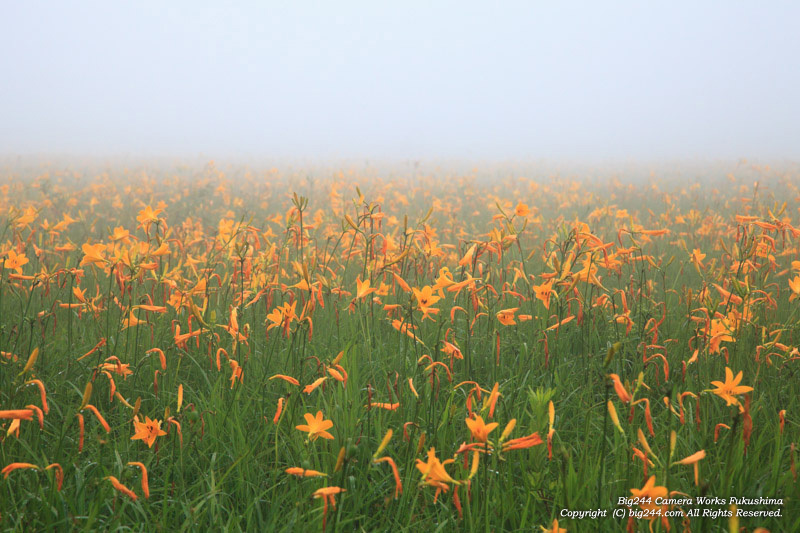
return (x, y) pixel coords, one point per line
(148, 430)
(553, 528)
(794, 285)
(363, 288)
(720, 331)
(161, 250)
(93, 254)
(316, 426)
(131, 321)
(730, 388)
(147, 216)
(506, 316)
(282, 315)
(120, 234)
(27, 217)
(275, 317)
(425, 297)
(80, 294)
(434, 473)
(14, 261)
(480, 430)
(697, 257)
(543, 293)
(651, 491)
(444, 280)
(123, 369)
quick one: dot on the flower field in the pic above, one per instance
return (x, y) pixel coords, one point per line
(348, 349)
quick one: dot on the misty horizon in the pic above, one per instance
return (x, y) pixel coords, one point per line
(360, 81)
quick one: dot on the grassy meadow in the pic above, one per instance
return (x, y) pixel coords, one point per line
(351, 350)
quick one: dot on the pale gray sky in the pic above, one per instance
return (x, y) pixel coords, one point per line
(408, 79)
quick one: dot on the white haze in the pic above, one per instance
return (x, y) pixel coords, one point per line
(462, 80)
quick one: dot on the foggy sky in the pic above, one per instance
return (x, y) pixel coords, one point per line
(367, 79)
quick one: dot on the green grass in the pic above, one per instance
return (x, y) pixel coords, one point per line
(228, 473)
